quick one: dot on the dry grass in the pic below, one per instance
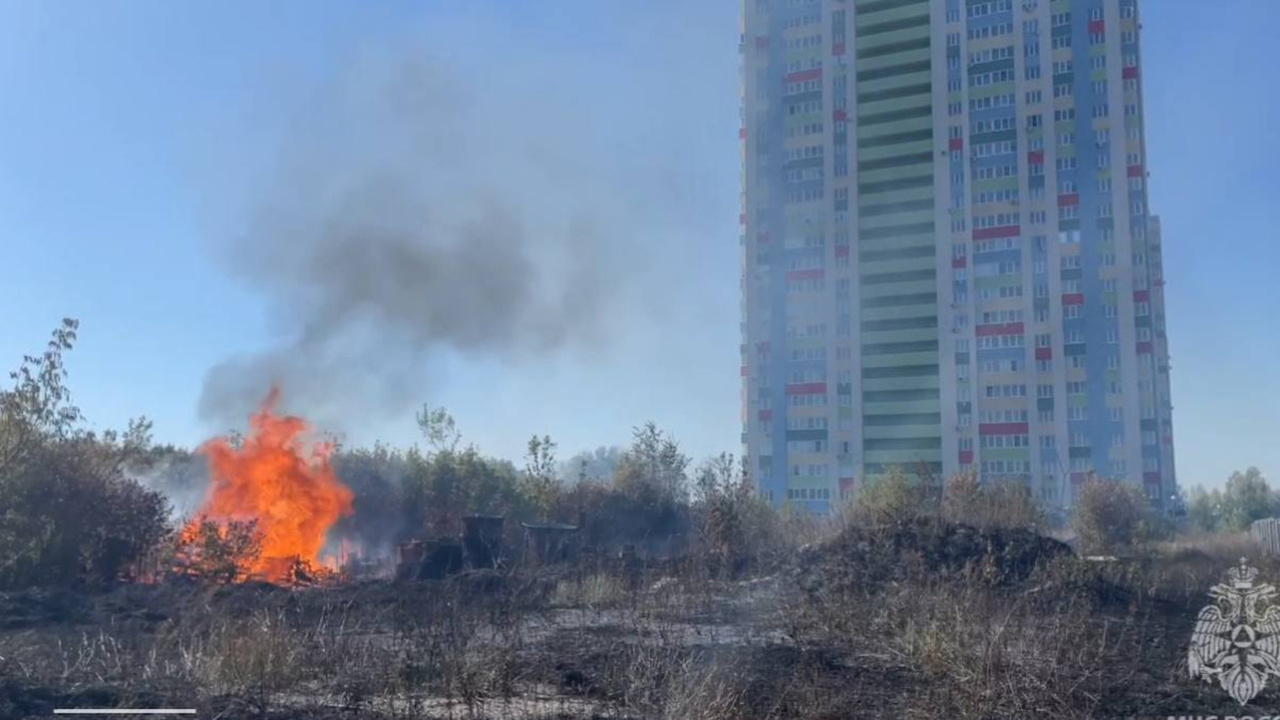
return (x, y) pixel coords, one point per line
(1073, 640)
(597, 590)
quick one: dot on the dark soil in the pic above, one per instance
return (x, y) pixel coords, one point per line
(1138, 616)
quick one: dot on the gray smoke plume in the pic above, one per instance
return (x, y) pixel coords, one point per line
(420, 211)
(182, 477)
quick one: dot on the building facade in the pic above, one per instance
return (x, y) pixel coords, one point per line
(949, 262)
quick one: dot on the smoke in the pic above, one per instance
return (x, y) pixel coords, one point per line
(420, 211)
(183, 478)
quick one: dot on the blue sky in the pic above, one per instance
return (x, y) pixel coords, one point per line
(137, 139)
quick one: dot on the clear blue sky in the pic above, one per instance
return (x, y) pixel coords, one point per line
(134, 137)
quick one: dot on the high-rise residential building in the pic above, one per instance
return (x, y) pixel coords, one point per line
(949, 262)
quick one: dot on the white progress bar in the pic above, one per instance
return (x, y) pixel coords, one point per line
(124, 711)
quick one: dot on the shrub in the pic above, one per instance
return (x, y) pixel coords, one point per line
(734, 524)
(997, 505)
(1112, 516)
(892, 498)
(221, 552)
(68, 514)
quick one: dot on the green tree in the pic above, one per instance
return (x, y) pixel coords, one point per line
(733, 523)
(600, 464)
(439, 429)
(1247, 497)
(891, 498)
(1204, 509)
(219, 551)
(653, 467)
(541, 480)
(68, 513)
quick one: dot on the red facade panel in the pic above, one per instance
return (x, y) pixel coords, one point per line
(997, 232)
(803, 75)
(1003, 329)
(818, 388)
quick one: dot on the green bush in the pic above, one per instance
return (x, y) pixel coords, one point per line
(68, 513)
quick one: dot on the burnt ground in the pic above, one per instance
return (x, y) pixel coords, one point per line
(914, 620)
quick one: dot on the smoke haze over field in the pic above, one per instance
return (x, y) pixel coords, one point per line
(136, 137)
(411, 216)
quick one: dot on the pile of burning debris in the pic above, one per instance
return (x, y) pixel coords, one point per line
(274, 496)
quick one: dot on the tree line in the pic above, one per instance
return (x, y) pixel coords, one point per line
(79, 507)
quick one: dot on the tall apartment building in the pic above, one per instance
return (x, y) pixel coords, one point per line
(948, 257)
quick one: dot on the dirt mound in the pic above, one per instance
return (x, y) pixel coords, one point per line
(862, 556)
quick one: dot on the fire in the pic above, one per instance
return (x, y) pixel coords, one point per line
(283, 482)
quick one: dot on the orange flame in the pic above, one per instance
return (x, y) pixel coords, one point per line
(276, 479)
